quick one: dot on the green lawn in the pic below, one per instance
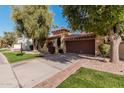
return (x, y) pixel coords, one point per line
(2, 50)
(15, 57)
(88, 78)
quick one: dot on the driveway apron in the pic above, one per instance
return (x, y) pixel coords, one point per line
(33, 71)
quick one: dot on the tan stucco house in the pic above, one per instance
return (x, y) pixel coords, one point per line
(62, 40)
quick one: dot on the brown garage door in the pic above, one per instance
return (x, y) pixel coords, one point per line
(81, 46)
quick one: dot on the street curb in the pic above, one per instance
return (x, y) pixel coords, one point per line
(6, 61)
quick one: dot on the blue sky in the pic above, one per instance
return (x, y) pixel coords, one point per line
(7, 24)
(58, 18)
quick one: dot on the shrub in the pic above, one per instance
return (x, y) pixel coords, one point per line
(61, 51)
(104, 49)
(20, 54)
(51, 49)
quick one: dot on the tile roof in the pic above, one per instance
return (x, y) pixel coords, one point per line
(79, 37)
(59, 31)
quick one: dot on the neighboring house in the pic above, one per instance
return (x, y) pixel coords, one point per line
(64, 41)
(24, 43)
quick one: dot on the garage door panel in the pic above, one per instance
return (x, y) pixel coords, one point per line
(82, 46)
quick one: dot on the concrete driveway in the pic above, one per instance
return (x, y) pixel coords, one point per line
(31, 72)
(51, 70)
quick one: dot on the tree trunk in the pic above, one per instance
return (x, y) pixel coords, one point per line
(34, 44)
(40, 45)
(21, 48)
(114, 55)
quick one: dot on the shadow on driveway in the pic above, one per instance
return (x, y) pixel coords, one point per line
(68, 57)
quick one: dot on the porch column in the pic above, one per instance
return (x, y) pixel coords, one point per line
(63, 44)
(98, 41)
(56, 46)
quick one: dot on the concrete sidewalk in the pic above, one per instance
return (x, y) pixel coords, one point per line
(7, 78)
(3, 59)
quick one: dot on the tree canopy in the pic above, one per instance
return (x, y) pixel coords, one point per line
(33, 21)
(94, 18)
(9, 38)
(99, 19)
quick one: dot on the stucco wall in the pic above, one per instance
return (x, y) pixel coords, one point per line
(121, 50)
(99, 40)
(17, 46)
(26, 43)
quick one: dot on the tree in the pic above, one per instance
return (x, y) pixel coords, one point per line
(34, 22)
(2, 42)
(100, 19)
(9, 38)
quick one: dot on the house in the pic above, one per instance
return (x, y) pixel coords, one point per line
(63, 41)
(23, 43)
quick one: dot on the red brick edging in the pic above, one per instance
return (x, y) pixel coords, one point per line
(59, 77)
